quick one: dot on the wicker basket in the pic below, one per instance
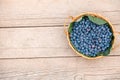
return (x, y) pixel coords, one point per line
(78, 17)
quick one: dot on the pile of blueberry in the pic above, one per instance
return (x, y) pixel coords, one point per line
(90, 38)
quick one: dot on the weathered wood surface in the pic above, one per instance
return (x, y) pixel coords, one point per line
(33, 45)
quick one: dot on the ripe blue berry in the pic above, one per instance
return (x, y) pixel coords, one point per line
(89, 38)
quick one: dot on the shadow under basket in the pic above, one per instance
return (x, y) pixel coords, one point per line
(97, 19)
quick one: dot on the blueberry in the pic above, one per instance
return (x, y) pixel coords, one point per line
(90, 38)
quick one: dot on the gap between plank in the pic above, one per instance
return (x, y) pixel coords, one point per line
(35, 26)
(50, 57)
(30, 26)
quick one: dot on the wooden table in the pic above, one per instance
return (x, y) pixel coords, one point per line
(33, 45)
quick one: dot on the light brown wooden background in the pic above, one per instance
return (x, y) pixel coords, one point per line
(33, 45)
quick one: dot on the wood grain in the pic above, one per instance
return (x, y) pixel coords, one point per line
(33, 45)
(37, 42)
(16, 13)
(73, 68)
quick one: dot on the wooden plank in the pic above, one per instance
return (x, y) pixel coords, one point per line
(33, 37)
(50, 21)
(38, 42)
(111, 76)
(16, 13)
(73, 68)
